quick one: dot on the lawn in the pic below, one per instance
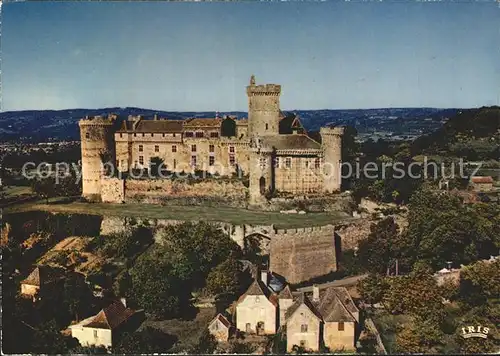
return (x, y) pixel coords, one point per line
(191, 213)
(12, 191)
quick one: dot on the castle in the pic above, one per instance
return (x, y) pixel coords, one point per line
(272, 148)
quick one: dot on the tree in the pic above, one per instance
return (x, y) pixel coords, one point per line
(69, 186)
(156, 166)
(376, 251)
(146, 341)
(372, 289)
(479, 282)
(224, 280)
(419, 336)
(156, 288)
(47, 339)
(44, 188)
(206, 344)
(416, 294)
(78, 298)
(122, 284)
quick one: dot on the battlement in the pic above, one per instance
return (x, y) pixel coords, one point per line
(331, 131)
(97, 120)
(264, 89)
(305, 230)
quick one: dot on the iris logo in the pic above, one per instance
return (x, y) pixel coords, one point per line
(475, 331)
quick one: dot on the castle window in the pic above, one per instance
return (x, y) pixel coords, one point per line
(306, 163)
(174, 148)
(262, 163)
(188, 134)
(95, 334)
(302, 343)
(193, 161)
(303, 328)
(232, 161)
(267, 127)
(121, 135)
(231, 149)
(288, 162)
(193, 148)
(214, 134)
(157, 148)
(142, 135)
(317, 163)
(135, 135)
(163, 134)
(199, 134)
(87, 135)
(276, 162)
(141, 160)
(341, 326)
(141, 148)
(173, 134)
(152, 135)
(211, 148)
(175, 163)
(211, 160)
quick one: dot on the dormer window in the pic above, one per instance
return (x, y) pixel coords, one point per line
(87, 135)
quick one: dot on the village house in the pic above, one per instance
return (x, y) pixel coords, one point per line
(482, 184)
(256, 309)
(220, 328)
(105, 327)
(40, 279)
(329, 316)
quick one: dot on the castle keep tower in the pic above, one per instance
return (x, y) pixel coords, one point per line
(332, 148)
(263, 109)
(97, 140)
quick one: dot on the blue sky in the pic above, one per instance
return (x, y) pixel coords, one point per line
(199, 56)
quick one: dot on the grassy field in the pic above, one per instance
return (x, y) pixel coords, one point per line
(191, 213)
(12, 191)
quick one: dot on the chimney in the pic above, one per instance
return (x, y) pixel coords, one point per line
(315, 293)
(124, 302)
(263, 277)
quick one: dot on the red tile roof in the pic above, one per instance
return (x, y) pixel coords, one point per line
(487, 179)
(222, 319)
(203, 122)
(111, 317)
(43, 275)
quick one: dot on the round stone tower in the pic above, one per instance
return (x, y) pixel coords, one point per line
(97, 141)
(263, 109)
(331, 143)
(261, 174)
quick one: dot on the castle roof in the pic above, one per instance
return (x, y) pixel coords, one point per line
(151, 126)
(302, 300)
(286, 293)
(110, 317)
(287, 142)
(203, 122)
(43, 275)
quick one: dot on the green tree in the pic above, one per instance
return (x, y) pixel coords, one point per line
(419, 336)
(479, 282)
(78, 298)
(145, 341)
(372, 289)
(47, 339)
(376, 251)
(224, 280)
(44, 188)
(156, 288)
(206, 344)
(156, 166)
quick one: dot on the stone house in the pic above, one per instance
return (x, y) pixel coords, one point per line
(41, 278)
(105, 327)
(327, 317)
(256, 309)
(482, 184)
(220, 328)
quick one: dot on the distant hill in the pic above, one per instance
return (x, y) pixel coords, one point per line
(56, 125)
(472, 133)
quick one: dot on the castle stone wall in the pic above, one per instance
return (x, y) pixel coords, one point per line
(112, 190)
(302, 254)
